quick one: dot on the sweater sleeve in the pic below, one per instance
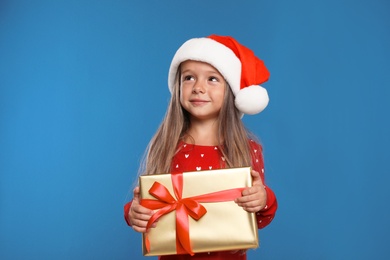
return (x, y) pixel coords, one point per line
(267, 214)
(126, 209)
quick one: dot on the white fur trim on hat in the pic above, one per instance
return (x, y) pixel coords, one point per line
(216, 54)
(252, 100)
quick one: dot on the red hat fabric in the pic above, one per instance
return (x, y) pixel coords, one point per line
(243, 71)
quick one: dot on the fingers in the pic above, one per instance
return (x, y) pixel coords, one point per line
(256, 179)
(139, 215)
(136, 193)
(251, 193)
(253, 198)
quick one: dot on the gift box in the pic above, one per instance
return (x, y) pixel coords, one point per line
(195, 212)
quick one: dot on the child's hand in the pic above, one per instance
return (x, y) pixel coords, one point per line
(253, 198)
(139, 215)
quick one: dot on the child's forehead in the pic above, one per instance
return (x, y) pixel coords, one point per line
(199, 65)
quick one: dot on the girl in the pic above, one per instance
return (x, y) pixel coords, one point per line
(213, 82)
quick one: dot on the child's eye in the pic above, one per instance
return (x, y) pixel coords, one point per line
(188, 77)
(214, 79)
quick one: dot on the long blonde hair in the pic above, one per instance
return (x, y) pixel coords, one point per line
(163, 146)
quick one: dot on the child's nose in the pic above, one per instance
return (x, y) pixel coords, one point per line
(198, 88)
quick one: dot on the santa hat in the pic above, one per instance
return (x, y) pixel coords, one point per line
(243, 71)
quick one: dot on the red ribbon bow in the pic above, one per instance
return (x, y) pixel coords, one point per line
(184, 206)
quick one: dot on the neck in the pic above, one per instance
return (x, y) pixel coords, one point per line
(204, 132)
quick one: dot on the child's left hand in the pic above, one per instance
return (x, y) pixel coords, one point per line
(253, 198)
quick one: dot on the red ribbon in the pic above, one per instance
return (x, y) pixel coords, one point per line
(184, 207)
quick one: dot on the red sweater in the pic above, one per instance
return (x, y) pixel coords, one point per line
(197, 157)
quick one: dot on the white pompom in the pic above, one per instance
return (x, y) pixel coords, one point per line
(252, 100)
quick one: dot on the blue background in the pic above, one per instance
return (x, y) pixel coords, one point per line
(83, 88)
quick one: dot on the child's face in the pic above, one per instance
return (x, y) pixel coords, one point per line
(202, 90)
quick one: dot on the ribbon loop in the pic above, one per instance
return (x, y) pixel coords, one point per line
(194, 208)
(161, 192)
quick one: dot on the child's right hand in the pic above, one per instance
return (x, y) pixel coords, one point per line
(139, 215)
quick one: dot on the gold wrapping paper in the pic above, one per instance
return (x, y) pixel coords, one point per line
(225, 226)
